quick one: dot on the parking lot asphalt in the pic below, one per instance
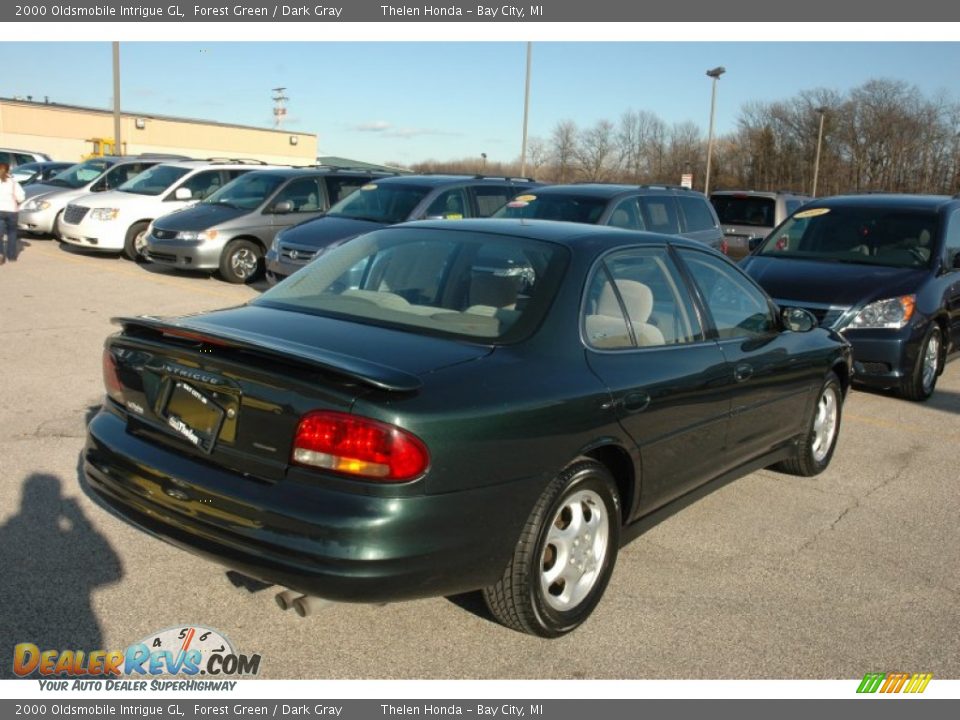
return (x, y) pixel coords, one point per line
(768, 577)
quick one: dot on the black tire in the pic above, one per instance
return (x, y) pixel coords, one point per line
(130, 251)
(916, 386)
(55, 232)
(518, 599)
(807, 459)
(236, 261)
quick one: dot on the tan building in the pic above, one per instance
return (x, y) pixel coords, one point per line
(65, 132)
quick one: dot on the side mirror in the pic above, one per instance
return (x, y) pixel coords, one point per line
(798, 320)
(182, 193)
(283, 207)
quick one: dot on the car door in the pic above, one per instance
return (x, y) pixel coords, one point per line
(773, 379)
(951, 291)
(668, 382)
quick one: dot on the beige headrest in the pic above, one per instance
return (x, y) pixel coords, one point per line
(637, 297)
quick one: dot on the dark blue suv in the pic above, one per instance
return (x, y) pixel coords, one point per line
(883, 270)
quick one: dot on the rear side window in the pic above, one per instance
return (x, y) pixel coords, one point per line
(696, 213)
(491, 198)
(635, 299)
(23, 159)
(660, 214)
(952, 242)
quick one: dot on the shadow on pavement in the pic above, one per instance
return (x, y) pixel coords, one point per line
(52, 559)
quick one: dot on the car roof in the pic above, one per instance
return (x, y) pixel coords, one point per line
(227, 163)
(761, 193)
(556, 231)
(610, 190)
(438, 180)
(885, 200)
(293, 171)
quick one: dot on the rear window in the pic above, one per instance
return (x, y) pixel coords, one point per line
(460, 284)
(744, 210)
(554, 206)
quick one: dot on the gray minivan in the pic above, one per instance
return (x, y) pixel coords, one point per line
(748, 216)
(230, 231)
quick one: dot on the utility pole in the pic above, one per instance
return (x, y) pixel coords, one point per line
(279, 106)
(816, 161)
(117, 141)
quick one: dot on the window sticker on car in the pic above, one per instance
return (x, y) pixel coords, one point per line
(812, 213)
(525, 198)
(453, 216)
(371, 186)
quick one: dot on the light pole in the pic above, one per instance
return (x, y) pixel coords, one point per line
(526, 113)
(715, 74)
(816, 162)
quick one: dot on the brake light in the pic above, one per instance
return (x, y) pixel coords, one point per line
(358, 446)
(724, 247)
(111, 381)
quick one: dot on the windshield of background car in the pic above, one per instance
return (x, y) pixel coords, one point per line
(554, 206)
(745, 210)
(76, 176)
(388, 203)
(246, 192)
(153, 181)
(864, 235)
(460, 284)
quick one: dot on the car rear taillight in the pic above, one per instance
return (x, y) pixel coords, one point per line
(724, 247)
(111, 381)
(358, 446)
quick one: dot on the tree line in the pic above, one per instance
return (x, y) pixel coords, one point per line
(883, 135)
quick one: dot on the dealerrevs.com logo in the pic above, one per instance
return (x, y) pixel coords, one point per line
(185, 652)
(888, 683)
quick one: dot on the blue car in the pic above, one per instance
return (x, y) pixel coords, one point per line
(881, 269)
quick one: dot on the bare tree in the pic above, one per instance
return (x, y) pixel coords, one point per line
(595, 151)
(563, 149)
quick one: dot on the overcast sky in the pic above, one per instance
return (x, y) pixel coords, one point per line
(410, 101)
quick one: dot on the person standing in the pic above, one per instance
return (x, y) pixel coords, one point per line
(11, 195)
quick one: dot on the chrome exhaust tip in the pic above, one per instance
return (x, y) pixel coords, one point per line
(285, 599)
(307, 605)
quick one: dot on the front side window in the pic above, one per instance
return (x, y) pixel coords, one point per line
(203, 184)
(627, 215)
(636, 299)
(154, 181)
(465, 285)
(386, 203)
(448, 205)
(570, 207)
(738, 308)
(247, 192)
(303, 194)
(891, 237)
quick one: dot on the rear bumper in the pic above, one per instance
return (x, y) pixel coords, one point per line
(332, 544)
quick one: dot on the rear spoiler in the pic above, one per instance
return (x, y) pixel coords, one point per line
(369, 373)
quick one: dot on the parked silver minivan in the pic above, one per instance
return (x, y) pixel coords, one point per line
(748, 216)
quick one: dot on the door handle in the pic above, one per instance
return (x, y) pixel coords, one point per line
(634, 402)
(743, 372)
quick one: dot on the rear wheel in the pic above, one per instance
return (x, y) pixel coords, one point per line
(923, 379)
(241, 261)
(814, 451)
(135, 244)
(565, 556)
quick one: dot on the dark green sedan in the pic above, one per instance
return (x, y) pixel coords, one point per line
(442, 407)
